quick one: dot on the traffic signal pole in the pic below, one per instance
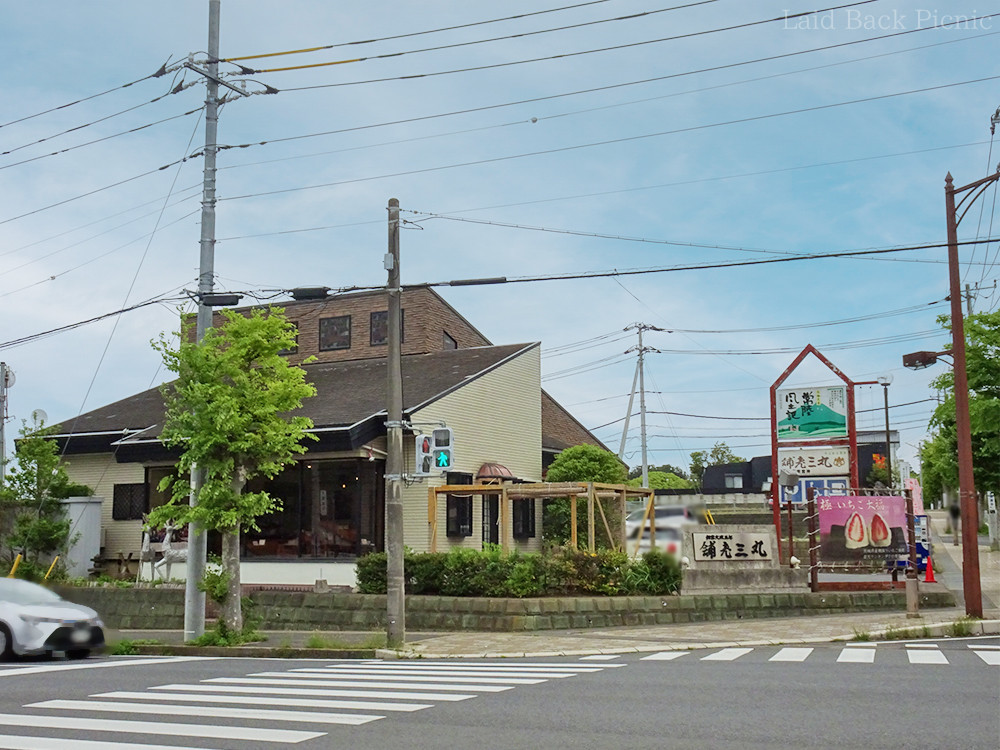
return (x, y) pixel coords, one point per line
(396, 594)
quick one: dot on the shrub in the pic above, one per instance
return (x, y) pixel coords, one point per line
(371, 573)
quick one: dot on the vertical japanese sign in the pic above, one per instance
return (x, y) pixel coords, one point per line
(815, 413)
(859, 528)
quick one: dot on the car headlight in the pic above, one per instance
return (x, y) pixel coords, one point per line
(37, 620)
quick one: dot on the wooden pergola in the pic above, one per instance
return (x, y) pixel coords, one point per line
(597, 495)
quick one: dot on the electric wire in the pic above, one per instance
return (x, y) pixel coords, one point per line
(454, 45)
(412, 33)
(566, 55)
(162, 71)
(77, 128)
(614, 141)
(535, 120)
(597, 88)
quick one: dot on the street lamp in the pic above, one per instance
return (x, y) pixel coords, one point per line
(884, 381)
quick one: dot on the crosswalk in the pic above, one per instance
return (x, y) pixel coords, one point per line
(284, 707)
(855, 653)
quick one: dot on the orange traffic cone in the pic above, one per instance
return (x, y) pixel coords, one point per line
(929, 572)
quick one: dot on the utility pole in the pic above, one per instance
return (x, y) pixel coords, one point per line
(640, 375)
(968, 502)
(6, 380)
(395, 583)
(194, 599)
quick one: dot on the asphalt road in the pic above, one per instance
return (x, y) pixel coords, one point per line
(926, 694)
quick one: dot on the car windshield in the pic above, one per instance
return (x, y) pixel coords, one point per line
(24, 592)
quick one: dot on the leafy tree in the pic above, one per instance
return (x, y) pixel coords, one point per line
(939, 456)
(32, 519)
(665, 468)
(581, 463)
(718, 456)
(228, 412)
(661, 480)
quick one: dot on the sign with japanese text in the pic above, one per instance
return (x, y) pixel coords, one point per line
(860, 528)
(822, 485)
(814, 462)
(731, 546)
(818, 413)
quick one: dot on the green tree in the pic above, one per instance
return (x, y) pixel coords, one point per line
(718, 456)
(229, 413)
(939, 455)
(32, 519)
(581, 463)
(636, 471)
(661, 480)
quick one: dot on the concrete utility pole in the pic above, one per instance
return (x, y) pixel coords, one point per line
(395, 584)
(640, 375)
(194, 600)
(6, 380)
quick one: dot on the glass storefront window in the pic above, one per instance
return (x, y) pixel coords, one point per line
(329, 508)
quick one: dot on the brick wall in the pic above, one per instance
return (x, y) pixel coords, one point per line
(426, 318)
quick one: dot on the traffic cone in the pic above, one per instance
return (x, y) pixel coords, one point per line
(929, 572)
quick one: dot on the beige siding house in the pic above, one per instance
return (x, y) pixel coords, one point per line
(506, 429)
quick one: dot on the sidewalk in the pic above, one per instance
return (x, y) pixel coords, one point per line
(715, 634)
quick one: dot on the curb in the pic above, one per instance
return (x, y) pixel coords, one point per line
(254, 652)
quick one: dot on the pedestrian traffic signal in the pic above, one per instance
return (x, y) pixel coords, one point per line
(442, 448)
(424, 454)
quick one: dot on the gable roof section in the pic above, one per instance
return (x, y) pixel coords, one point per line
(561, 430)
(350, 399)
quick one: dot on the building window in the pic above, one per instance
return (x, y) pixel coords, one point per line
(379, 328)
(524, 518)
(294, 349)
(459, 515)
(734, 481)
(448, 341)
(130, 502)
(335, 333)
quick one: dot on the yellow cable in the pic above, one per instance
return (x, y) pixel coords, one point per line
(313, 65)
(274, 54)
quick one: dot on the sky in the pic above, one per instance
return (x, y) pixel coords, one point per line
(619, 162)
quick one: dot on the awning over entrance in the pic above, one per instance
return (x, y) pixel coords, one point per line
(490, 473)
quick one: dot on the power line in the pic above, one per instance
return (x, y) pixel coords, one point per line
(161, 72)
(607, 87)
(413, 33)
(493, 66)
(614, 141)
(454, 45)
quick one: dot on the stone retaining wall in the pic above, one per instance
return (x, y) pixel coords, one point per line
(162, 608)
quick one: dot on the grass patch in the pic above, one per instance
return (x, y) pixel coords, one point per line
(127, 646)
(961, 627)
(373, 641)
(861, 635)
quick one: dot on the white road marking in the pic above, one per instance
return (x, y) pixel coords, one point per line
(364, 673)
(41, 669)
(664, 656)
(485, 669)
(270, 700)
(600, 657)
(921, 645)
(212, 712)
(857, 656)
(978, 646)
(328, 693)
(361, 683)
(925, 656)
(506, 664)
(727, 654)
(66, 723)
(792, 654)
(15, 742)
(990, 657)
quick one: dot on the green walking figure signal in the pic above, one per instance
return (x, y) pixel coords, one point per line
(434, 451)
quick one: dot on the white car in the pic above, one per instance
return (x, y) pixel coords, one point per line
(672, 516)
(35, 620)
